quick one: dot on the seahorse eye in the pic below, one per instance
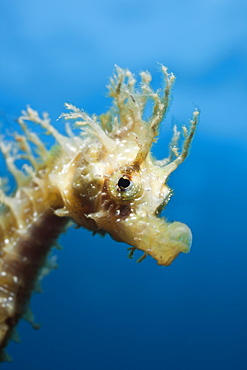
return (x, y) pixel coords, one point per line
(123, 183)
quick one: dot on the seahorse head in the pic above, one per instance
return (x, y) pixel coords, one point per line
(113, 184)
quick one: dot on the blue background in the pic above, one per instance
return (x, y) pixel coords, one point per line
(100, 310)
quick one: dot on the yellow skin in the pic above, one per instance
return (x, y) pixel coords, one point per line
(104, 179)
(115, 182)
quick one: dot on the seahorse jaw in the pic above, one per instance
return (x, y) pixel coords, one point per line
(165, 241)
(153, 235)
(170, 244)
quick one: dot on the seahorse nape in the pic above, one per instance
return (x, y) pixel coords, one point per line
(104, 179)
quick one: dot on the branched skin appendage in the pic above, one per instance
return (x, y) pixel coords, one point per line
(104, 179)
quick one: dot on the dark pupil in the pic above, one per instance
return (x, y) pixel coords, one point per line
(123, 183)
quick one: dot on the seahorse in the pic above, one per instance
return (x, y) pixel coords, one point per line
(103, 178)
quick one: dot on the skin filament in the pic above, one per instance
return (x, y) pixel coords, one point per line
(104, 179)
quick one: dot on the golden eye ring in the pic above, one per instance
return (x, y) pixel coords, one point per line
(124, 186)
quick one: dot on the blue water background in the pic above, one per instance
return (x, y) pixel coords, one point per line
(100, 310)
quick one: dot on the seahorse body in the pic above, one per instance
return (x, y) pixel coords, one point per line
(104, 179)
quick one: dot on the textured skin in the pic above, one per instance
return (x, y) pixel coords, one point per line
(20, 269)
(104, 179)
